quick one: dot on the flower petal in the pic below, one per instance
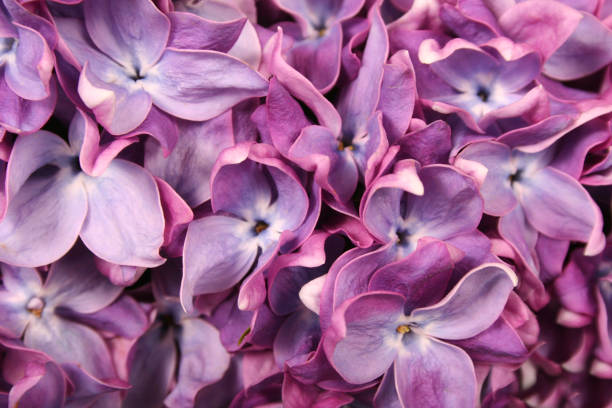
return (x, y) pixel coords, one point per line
(123, 317)
(218, 252)
(28, 74)
(21, 115)
(199, 85)
(133, 33)
(43, 220)
(204, 360)
(496, 190)
(362, 342)
(421, 277)
(119, 107)
(190, 31)
(558, 206)
(75, 283)
(188, 167)
(431, 374)
(500, 343)
(152, 363)
(31, 152)
(68, 342)
(125, 223)
(585, 51)
(43, 385)
(471, 306)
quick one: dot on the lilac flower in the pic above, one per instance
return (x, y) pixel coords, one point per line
(259, 204)
(112, 204)
(316, 53)
(176, 344)
(125, 72)
(26, 87)
(377, 330)
(532, 196)
(341, 151)
(34, 377)
(57, 316)
(481, 85)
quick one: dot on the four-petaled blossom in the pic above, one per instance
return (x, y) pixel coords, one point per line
(58, 192)
(131, 59)
(378, 330)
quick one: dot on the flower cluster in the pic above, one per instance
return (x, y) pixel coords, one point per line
(306, 203)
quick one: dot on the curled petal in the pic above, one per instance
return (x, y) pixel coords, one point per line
(471, 306)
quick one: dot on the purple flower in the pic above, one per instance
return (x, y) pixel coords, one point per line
(176, 348)
(58, 316)
(316, 53)
(129, 62)
(260, 205)
(57, 192)
(481, 85)
(532, 196)
(377, 330)
(349, 141)
(26, 88)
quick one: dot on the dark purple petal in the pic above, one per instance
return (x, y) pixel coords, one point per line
(152, 363)
(500, 343)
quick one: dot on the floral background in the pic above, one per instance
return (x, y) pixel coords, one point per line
(306, 203)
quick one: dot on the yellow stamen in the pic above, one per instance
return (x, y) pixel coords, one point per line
(341, 146)
(260, 227)
(403, 329)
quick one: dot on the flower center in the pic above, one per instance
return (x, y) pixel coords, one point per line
(516, 176)
(483, 93)
(403, 329)
(260, 227)
(6, 44)
(402, 236)
(35, 306)
(342, 146)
